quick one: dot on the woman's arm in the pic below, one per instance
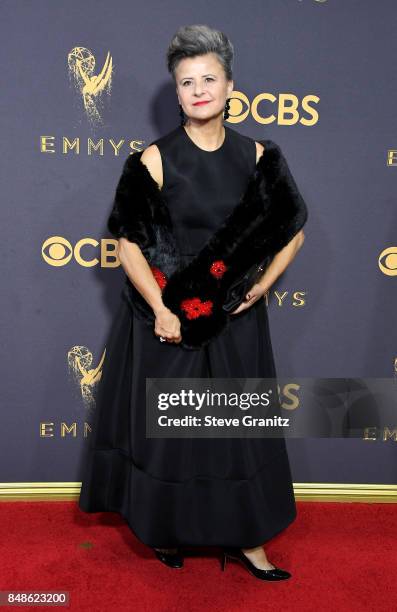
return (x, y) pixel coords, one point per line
(137, 269)
(281, 261)
(135, 265)
(283, 258)
(130, 255)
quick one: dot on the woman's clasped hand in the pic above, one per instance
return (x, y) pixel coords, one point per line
(254, 294)
(167, 325)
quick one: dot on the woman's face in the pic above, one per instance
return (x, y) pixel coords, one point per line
(200, 79)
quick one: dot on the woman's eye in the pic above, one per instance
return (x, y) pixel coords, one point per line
(207, 79)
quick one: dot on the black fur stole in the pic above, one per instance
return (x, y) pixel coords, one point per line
(268, 215)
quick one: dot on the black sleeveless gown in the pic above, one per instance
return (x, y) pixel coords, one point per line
(192, 492)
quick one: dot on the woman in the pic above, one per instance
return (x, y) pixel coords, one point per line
(169, 215)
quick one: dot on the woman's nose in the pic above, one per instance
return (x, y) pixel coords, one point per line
(198, 90)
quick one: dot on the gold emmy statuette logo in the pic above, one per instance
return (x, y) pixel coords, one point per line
(80, 360)
(81, 64)
(387, 261)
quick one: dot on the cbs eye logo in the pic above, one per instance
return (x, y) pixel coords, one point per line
(287, 108)
(57, 252)
(387, 261)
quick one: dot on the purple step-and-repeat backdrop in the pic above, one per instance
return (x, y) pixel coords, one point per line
(84, 84)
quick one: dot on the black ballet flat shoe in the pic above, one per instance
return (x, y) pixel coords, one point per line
(270, 574)
(174, 560)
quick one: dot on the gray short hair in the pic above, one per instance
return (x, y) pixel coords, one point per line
(194, 40)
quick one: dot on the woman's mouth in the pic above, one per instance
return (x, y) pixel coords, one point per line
(200, 103)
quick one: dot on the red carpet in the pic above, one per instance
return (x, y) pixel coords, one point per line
(341, 556)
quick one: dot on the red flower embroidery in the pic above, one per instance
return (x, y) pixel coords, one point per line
(194, 307)
(218, 268)
(159, 276)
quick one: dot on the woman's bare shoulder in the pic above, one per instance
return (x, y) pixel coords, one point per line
(259, 150)
(151, 157)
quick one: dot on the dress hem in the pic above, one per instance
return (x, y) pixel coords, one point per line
(144, 503)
